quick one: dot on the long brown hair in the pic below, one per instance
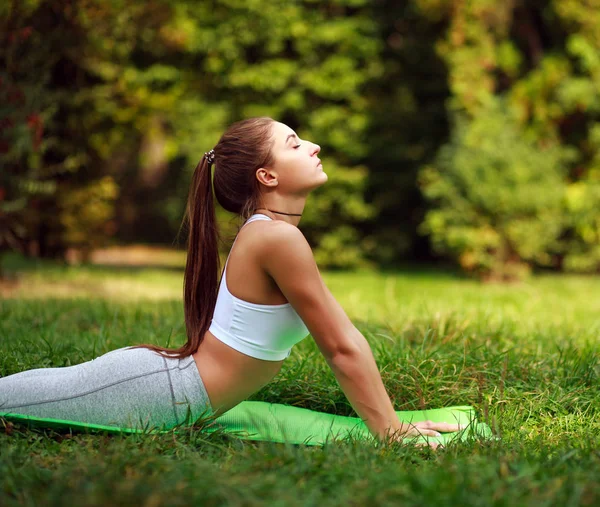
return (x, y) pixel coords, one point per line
(242, 149)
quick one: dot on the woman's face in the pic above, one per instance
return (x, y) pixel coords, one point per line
(296, 166)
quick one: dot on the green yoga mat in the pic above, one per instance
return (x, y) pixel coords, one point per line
(273, 422)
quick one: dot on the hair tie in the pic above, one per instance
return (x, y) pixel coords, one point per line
(210, 156)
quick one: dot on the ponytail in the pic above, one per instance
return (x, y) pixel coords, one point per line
(202, 267)
(244, 147)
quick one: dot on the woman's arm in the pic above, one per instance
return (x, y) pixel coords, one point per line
(288, 259)
(359, 377)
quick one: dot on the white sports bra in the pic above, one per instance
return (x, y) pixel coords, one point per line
(263, 331)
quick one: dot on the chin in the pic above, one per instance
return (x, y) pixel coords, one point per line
(321, 181)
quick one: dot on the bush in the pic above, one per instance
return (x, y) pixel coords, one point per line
(582, 243)
(87, 213)
(496, 197)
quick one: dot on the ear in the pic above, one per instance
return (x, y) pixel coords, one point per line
(267, 177)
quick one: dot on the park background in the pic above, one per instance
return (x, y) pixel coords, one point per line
(461, 139)
(456, 131)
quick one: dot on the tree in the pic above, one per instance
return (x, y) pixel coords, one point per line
(498, 197)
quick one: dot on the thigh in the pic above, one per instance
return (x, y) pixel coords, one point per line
(126, 387)
(61, 370)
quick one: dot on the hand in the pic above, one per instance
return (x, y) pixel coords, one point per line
(427, 429)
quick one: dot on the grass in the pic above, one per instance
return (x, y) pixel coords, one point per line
(526, 356)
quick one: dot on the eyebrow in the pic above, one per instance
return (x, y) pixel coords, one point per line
(288, 137)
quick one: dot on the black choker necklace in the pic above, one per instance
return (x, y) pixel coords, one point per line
(282, 213)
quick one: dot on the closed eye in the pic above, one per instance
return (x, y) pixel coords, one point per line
(297, 146)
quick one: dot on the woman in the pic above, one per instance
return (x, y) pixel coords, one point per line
(270, 297)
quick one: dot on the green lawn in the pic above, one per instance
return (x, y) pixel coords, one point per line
(526, 356)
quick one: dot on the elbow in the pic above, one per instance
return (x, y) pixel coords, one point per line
(347, 353)
(345, 361)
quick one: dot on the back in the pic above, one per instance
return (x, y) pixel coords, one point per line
(262, 331)
(231, 376)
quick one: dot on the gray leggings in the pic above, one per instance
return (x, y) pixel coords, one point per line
(128, 388)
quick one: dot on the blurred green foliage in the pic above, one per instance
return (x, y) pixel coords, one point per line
(86, 213)
(464, 130)
(517, 184)
(497, 197)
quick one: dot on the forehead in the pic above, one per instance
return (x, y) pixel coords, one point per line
(280, 133)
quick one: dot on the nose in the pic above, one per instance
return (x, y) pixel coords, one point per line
(316, 148)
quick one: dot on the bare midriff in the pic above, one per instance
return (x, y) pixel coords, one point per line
(230, 376)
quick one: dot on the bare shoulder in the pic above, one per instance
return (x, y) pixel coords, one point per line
(276, 228)
(283, 248)
(286, 256)
(281, 235)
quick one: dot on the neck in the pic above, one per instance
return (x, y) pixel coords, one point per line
(284, 215)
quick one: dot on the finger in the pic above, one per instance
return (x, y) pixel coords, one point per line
(446, 427)
(429, 432)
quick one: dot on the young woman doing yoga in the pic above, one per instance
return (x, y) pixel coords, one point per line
(270, 297)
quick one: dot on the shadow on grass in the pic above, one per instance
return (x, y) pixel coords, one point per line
(13, 263)
(422, 271)
(128, 268)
